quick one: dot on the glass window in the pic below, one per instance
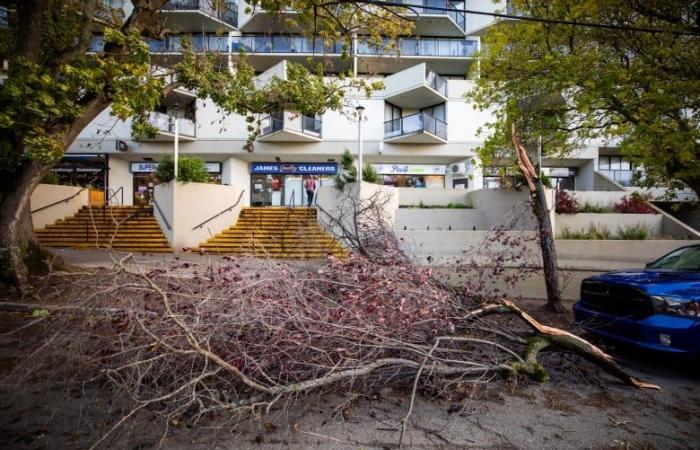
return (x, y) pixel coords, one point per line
(604, 163)
(391, 112)
(625, 165)
(615, 163)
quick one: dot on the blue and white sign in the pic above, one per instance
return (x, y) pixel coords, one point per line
(295, 168)
(148, 167)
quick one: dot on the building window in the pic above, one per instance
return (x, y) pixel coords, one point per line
(619, 169)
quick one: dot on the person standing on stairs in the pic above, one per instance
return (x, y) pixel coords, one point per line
(310, 189)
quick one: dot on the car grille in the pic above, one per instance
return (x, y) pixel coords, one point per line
(624, 301)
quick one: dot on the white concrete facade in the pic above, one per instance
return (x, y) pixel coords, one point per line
(420, 121)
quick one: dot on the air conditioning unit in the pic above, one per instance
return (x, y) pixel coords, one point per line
(459, 168)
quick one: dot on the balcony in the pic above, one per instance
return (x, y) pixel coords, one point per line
(174, 44)
(200, 16)
(415, 88)
(445, 56)
(165, 124)
(264, 50)
(289, 127)
(262, 21)
(448, 20)
(419, 128)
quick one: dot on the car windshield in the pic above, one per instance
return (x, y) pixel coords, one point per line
(687, 258)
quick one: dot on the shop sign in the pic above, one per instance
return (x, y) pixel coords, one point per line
(559, 171)
(148, 167)
(295, 168)
(410, 169)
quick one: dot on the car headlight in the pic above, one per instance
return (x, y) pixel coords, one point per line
(676, 307)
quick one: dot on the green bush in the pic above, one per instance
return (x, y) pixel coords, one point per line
(348, 171)
(637, 232)
(601, 232)
(50, 178)
(190, 169)
(595, 208)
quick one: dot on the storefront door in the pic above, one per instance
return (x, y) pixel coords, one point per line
(266, 190)
(143, 189)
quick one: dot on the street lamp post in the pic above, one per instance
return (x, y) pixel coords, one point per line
(360, 110)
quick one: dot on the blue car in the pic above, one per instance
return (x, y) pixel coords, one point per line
(657, 308)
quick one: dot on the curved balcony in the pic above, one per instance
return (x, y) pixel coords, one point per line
(200, 15)
(419, 128)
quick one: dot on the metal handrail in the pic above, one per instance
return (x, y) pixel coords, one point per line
(222, 212)
(162, 216)
(59, 202)
(112, 193)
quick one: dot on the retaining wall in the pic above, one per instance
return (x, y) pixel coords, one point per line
(46, 194)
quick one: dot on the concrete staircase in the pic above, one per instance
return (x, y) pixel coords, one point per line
(275, 233)
(125, 228)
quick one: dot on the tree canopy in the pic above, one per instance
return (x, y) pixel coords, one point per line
(55, 83)
(629, 77)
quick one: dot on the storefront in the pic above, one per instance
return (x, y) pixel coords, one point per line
(143, 173)
(282, 184)
(412, 175)
(82, 170)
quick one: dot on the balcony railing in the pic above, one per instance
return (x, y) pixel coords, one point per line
(227, 14)
(415, 123)
(425, 7)
(436, 82)
(311, 125)
(174, 44)
(166, 123)
(270, 123)
(625, 178)
(425, 47)
(283, 44)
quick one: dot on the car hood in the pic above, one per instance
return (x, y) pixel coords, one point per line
(676, 283)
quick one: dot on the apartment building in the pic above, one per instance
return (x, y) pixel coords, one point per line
(419, 131)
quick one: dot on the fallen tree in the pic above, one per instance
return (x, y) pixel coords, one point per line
(238, 336)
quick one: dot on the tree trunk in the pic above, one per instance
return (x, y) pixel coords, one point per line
(16, 230)
(549, 251)
(544, 225)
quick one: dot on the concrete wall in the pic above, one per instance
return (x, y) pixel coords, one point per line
(46, 194)
(120, 176)
(164, 210)
(334, 205)
(577, 222)
(235, 173)
(405, 80)
(504, 206)
(603, 183)
(450, 247)
(439, 219)
(603, 198)
(194, 203)
(414, 196)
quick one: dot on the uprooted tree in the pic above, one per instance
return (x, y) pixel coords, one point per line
(56, 83)
(185, 343)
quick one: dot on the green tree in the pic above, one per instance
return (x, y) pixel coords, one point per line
(189, 169)
(635, 81)
(348, 171)
(53, 87)
(556, 85)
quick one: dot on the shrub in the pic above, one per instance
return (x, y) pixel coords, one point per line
(565, 203)
(190, 169)
(633, 204)
(50, 178)
(592, 232)
(595, 208)
(348, 171)
(638, 232)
